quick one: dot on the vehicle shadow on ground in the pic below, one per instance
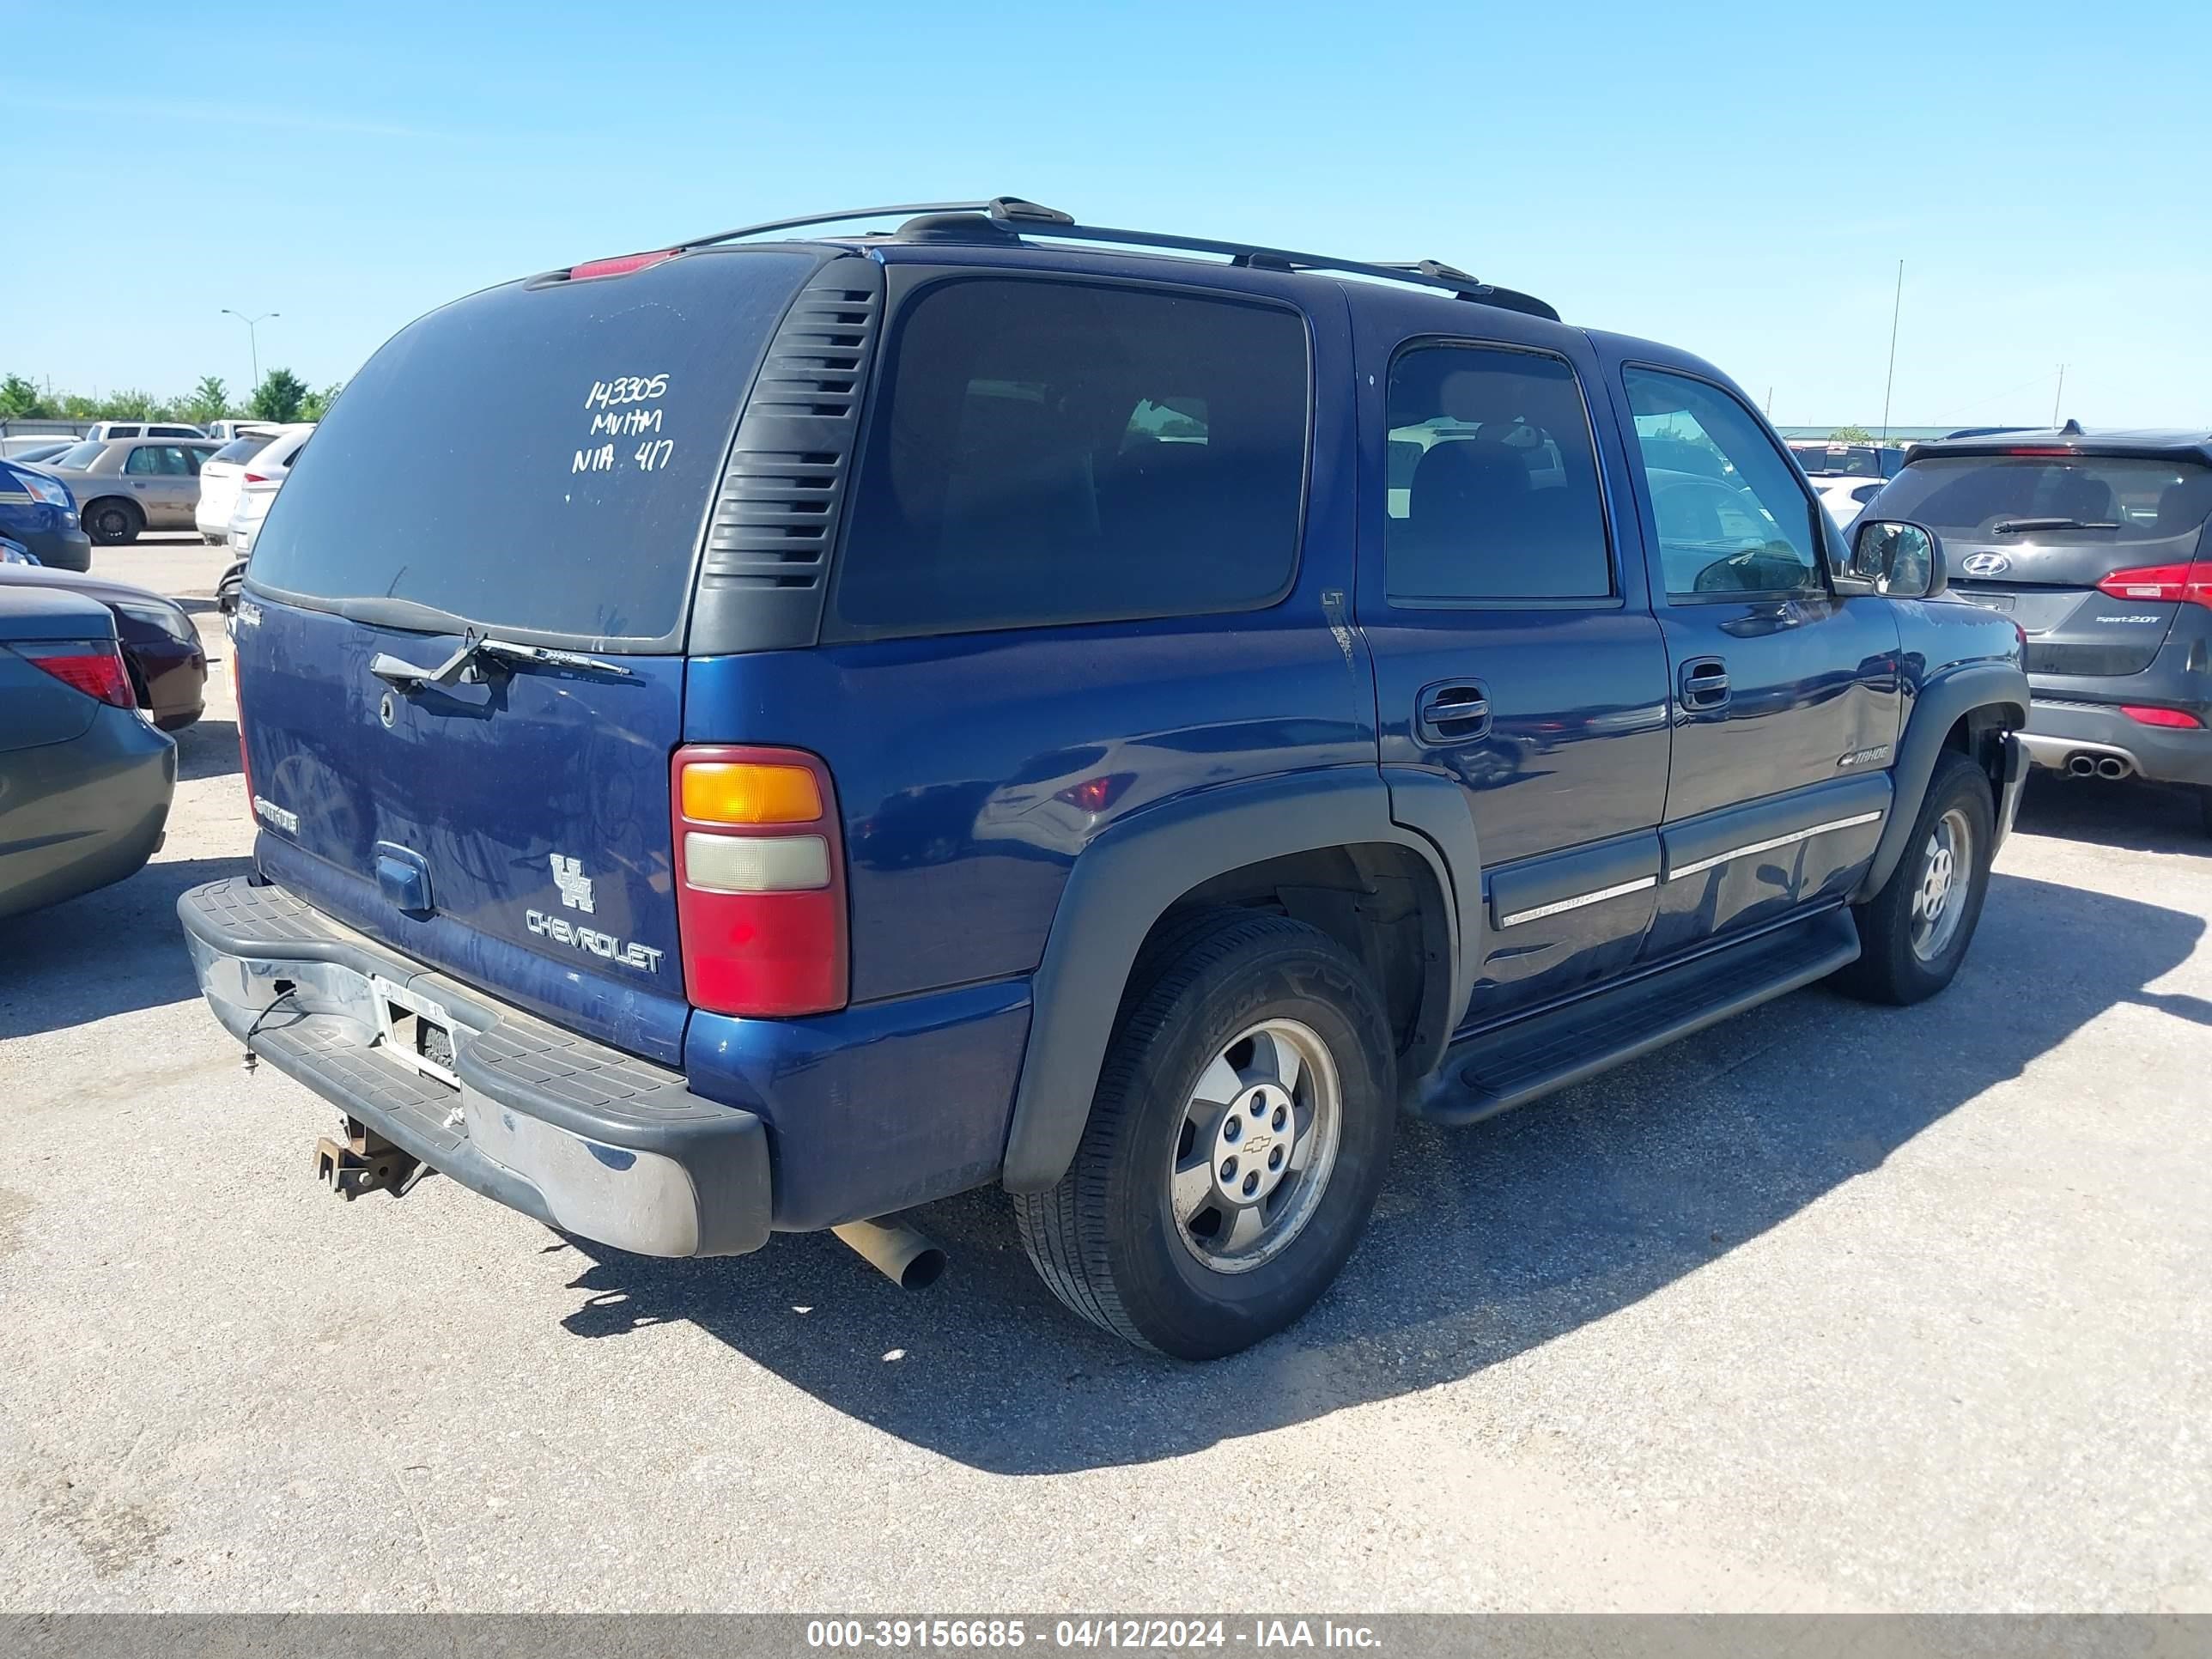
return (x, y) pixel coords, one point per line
(2130, 815)
(105, 952)
(208, 748)
(1488, 1241)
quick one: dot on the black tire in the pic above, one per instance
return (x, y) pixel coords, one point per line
(114, 522)
(1106, 1239)
(1890, 968)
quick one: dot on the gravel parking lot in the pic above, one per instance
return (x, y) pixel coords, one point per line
(1831, 1307)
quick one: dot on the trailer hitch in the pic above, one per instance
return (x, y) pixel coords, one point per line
(365, 1162)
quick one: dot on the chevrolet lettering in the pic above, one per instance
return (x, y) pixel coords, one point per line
(590, 938)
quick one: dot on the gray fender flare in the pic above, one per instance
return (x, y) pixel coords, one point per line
(1127, 879)
(1957, 691)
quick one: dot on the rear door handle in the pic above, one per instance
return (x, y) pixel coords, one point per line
(1704, 683)
(1451, 712)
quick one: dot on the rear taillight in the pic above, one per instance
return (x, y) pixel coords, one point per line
(760, 881)
(2170, 584)
(256, 477)
(2143, 715)
(93, 668)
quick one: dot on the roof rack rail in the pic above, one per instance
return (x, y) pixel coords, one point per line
(1007, 209)
(1025, 217)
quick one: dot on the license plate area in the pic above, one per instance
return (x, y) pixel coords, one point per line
(415, 1030)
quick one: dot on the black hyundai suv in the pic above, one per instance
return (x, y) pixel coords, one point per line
(2093, 542)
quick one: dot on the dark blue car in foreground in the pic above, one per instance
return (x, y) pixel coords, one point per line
(839, 720)
(37, 512)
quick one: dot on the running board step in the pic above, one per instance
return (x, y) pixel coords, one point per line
(1492, 1072)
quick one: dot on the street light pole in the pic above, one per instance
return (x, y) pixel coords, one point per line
(1897, 306)
(252, 343)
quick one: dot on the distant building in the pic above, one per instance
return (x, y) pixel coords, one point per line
(1898, 434)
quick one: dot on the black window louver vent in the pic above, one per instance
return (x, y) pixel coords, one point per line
(775, 515)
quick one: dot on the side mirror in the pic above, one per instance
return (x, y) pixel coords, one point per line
(1904, 561)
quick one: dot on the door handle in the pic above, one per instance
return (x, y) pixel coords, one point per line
(1704, 683)
(1451, 712)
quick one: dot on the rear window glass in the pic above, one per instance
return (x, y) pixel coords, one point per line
(1051, 452)
(2115, 499)
(79, 455)
(241, 449)
(537, 458)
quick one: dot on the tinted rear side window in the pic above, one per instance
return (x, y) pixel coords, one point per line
(1049, 451)
(538, 458)
(241, 449)
(1501, 500)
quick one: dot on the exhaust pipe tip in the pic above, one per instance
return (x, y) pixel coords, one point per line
(910, 1259)
(2080, 766)
(2111, 767)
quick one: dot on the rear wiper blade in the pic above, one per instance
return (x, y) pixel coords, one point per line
(408, 676)
(2012, 524)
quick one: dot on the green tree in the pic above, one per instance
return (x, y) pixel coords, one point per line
(278, 397)
(1850, 434)
(209, 400)
(19, 400)
(316, 404)
(75, 406)
(128, 404)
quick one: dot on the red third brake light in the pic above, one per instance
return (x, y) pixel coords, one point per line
(94, 669)
(760, 881)
(621, 265)
(2169, 584)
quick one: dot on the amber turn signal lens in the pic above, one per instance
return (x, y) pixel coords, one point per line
(739, 791)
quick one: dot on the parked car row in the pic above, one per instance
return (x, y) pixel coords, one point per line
(121, 486)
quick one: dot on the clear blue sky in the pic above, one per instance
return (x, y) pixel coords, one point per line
(1737, 180)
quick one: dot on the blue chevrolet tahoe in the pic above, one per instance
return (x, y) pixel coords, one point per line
(833, 719)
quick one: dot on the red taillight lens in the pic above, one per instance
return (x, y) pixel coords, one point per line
(256, 477)
(94, 669)
(760, 881)
(2170, 584)
(620, 266)
(2146, 715)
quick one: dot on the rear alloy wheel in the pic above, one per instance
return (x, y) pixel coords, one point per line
(113, 523)
(1240, 1132)
(1914, 932)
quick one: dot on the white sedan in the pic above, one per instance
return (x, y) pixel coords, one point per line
(1845, 496)
(260, 457)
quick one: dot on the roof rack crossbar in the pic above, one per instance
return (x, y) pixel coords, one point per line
(1029, 219)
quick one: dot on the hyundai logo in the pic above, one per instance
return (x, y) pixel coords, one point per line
(1985, 564)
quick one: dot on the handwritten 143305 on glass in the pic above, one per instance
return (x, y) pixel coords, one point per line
(618, 410)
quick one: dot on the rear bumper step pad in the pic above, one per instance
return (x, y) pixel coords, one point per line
(583, 1137)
